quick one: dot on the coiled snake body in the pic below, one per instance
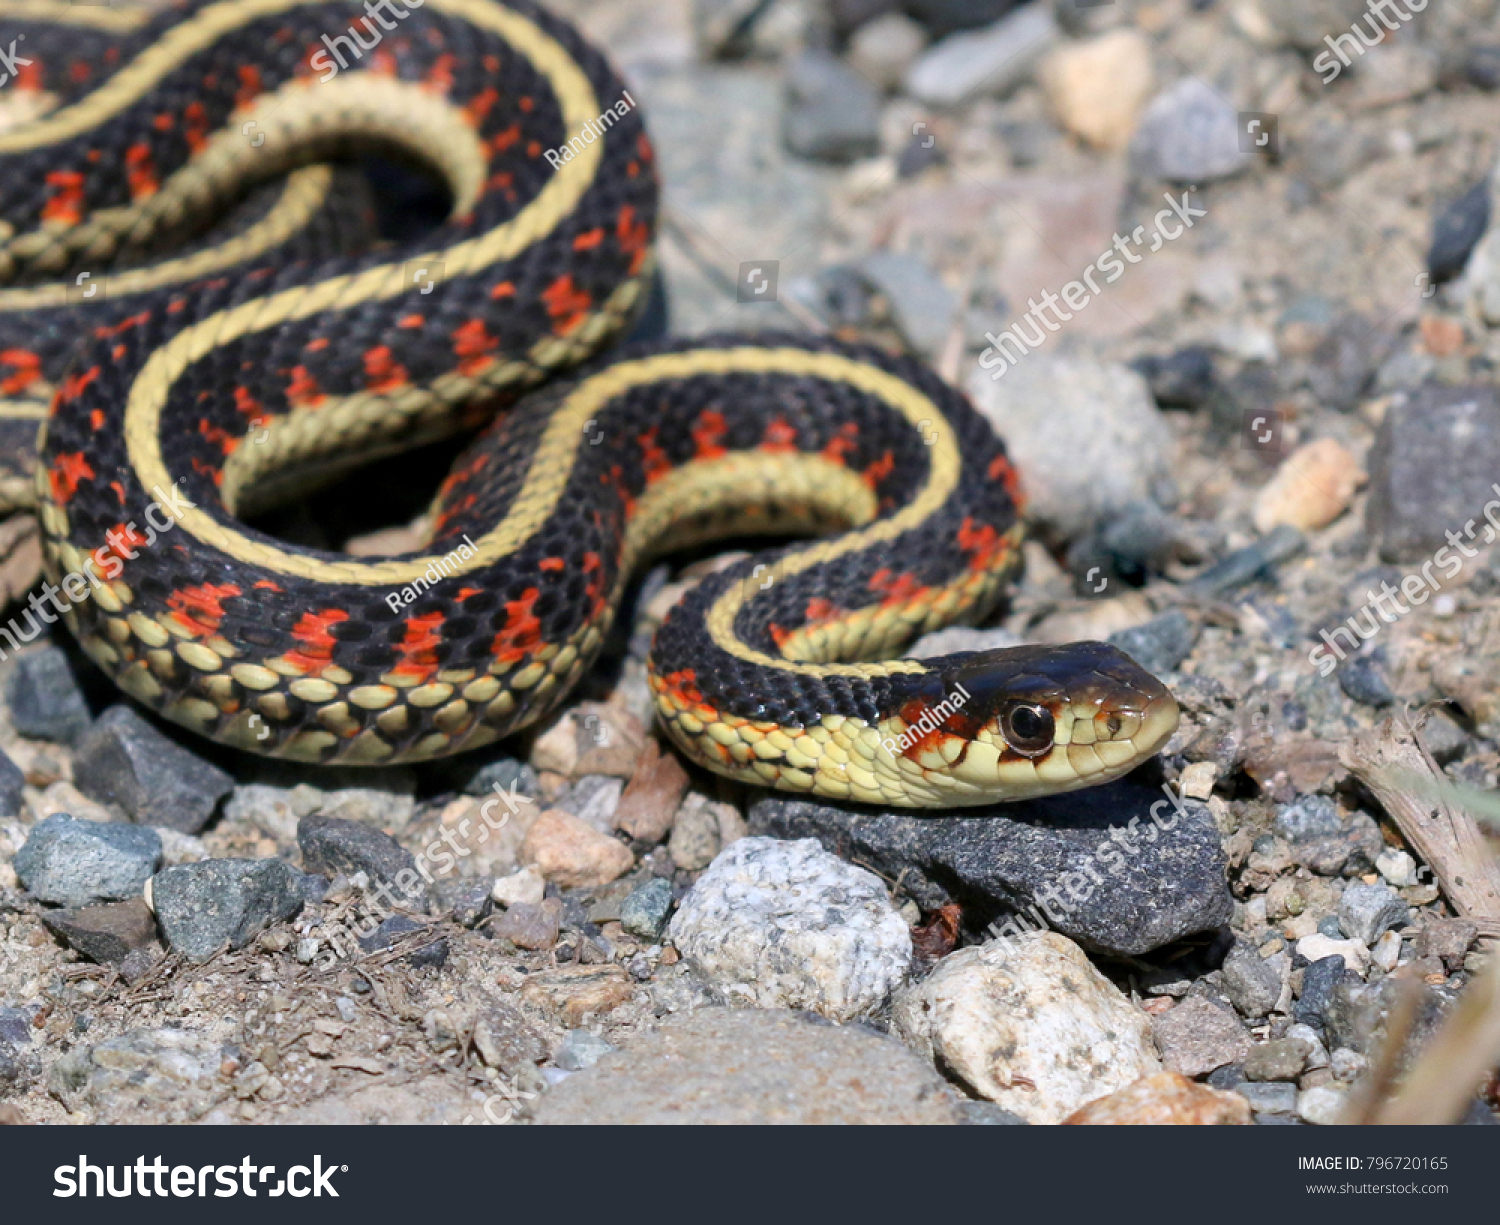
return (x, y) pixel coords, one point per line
(211, 373)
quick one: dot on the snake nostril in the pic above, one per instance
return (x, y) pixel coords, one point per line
(1114, 725)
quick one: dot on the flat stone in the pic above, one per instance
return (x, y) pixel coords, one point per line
(1162, 643)
(1322, 1104)
(644, 911)
(124, 760)
(990, 61)
(1252, 983)
(1279, 1059)
(1366, 912)
(1433, 467)
(529, 925)
(1313, 486)
(572, 853)
(331, 845)
(1028, 1024)
(1073, 862)
(1269, 1098)
(922, 307)
(45, 698)
(1165, 1098)
(580, 1049)
(200, 906)
(1189, 134)
(167, 1075)
(505, 1039)
(107, 932)
(650, 799)
(1197, 1036)
(787, 925)
(832, 113)
(429, 954)
(1319, 947)
(77, 862)
(752, 1067)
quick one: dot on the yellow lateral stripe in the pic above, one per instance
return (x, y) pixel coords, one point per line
(22, 410)
(303, 196)
(95, 16)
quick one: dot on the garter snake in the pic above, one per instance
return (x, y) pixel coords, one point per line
(194, 387)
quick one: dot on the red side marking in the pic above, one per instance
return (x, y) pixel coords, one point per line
(267, 585)
(382, 371)
(383, 63)
(616, 478)
(119, 491)
(479, 106)
(163, 122)
(247, 405)
(472, 344)
(527, 103)
(96, 420)
(315, 633)
(199, 610)
(594, 589)
(216, 475)
(533, 149)
(27, 366)
(919, 742)
(127, 541)
(879, 470)
(491, 64)
(522, 632)
(117, 329)
(73, 386)
(465, 592)
(984, 544)
(418, 648)
(195, 129)
(501, 141)
(778, 634)
(303, 391)
(440, 75)
(654, 461)
(842, 443)
(780, 437)
(78, 73)
(250, 88)
(66, 203)
(820, 610)
(220, 437)
(566, 303)
(588, 241)
(283, 36)
(708, 434)
(68, 470)
(317, 344)
(410, 321)
(506, 289)
(118, 352)
(644, 149)
(896, 588)
(552, 563)
(1002, 470)
(633, 237)
(683, 684)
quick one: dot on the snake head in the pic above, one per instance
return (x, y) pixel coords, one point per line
(1027, 721)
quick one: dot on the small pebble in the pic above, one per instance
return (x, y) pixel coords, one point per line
(580, 1049)
(1322, 1105)
(1097, 87)
(1313, 486)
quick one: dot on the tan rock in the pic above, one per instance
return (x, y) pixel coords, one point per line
(573, 853)
(1311, 489)
(650, 800)
(525, 886)
(575, 993)
(610, 740)
(1096, 88)
(556, 749)
(1165, 1098)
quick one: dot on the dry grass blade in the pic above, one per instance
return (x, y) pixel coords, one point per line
(1406, 782)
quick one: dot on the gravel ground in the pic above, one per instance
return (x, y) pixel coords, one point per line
(1261, 461)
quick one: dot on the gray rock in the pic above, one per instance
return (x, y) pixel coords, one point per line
(200, 906)
(832, 113)
(506, 773)
(1196, 1037)
(1054, 860)
(1433, 467)
(12, 785)
(990, 61)
(1268, 1098)
(1446, 939)
(1317, 1053)
(331, 845)
(787, 925)
(1458, 226)
(1319, 982)
(1249, 564)
(1305, 23)
(922, 306)
(503, 1037)
(1088, 436)
(124, 760)
(45, 699)
(987, 1114)
(427, 953)
(1183, 379)
(1252, 983)
(105, 933)
(15, 1024)
(1367, 912)
(529, 925)
(644, 911)
(19, 1068)
(1310, 818)
(1322, 1104)
(753, 1067)
(942, 17)
(77, 862)
(884, 50)
(166, 1075)
(1364, 678)
(1162, 643)
(1189, 134)
(580, 1049)
(1280, 1059)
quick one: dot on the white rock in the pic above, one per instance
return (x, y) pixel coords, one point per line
(527, 885)
(1318, 946)
(1029, 1024)
(1323, 1104)
(1398, 868)
(787, 925)
(1387, 951)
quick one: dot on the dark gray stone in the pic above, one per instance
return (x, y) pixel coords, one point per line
(1280, 1059)
(469, 901)
(1363, 678)
(124, 760)
(104, 933)
(45, 698)
(1320, 841)
(1269, 1098)
(76, 862)
(331, 845)
(19, 1068)
(1482, 66)
(1250, 564)
(987, 1114)
(941, 17)
(1458, 226)
(644, 911)
(1027, 856)
(12, 784)
(1319, 981)
(1367, 912)
(1252, 984)
(1313, 816)
(1162, 643)
(1183, 379)
(200, 906)
(832, 113)
(1433, 467)
(427, 953)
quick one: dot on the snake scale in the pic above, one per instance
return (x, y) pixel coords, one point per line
(189, 317)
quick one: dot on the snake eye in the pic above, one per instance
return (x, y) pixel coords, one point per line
(1028, 729)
